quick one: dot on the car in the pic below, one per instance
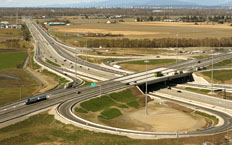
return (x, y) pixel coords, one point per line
(179, 91)
(78, 92)
(199, 61)
(65, 60)
(169, 88)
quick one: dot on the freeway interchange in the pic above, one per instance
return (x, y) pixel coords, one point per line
(73, 69)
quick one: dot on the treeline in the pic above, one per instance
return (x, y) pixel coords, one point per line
(26, 32)
(53, 12)
(157, 43)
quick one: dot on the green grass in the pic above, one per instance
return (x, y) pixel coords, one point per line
(12, 60)
(98, 104)
(134, 104)
(43, 128)
(122, 106)
(58, 78)
(214, 118)
(151, 62)
(52, 63)
(110, 113)
(124, 96)
(87, 83)
(227, 62)
(220, 75)
(119, 99)
(80, 110)
(198, 90)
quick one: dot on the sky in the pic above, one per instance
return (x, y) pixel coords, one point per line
(28, 3)
(34, 3)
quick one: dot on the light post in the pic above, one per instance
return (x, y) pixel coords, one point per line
(177, 43)
(146, 112)
(76, 61)
(212, 76)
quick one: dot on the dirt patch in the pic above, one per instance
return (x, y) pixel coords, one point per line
(161, 118)
(50, 83)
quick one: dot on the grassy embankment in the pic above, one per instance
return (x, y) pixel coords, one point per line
(109, 106)
(43, 128)
(205, 91)
(220, 76)
(96, 60)
(141, 65)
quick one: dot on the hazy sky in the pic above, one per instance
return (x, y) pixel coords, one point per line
(22, 3)
(28, 3)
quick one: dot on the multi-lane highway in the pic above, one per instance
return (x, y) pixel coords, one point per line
(49, 48)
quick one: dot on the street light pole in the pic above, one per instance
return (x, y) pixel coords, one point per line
(177, 48)
(146, 112)
(212, 76)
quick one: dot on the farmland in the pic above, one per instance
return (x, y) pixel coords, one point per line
(15, 82)
(137, 30)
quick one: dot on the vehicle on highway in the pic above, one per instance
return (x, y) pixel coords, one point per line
(117, 66)
(179, 91)
(158, 74)
(78, 92)
(35, 99)
(68, 85)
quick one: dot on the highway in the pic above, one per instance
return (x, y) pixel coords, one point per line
(68, 98)
(65, 111)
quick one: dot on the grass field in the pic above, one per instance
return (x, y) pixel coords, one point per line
(9, 34)
(98, 104)
(222, 76)
(140, 65)
(10, 88)
(198, 90)
(119, 100)
(227, 62)
(13, 79)
(12, 59)
(152, 62)
(44, 129)
(110, 113)
(214, 118)
(96, 60)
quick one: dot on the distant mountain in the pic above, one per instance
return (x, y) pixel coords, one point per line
(127, 3)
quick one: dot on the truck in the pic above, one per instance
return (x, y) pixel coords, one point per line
(35, 99)
(158, 74)
(117, 66)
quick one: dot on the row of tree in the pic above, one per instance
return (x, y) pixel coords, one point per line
(157, 43)
(52, 12)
